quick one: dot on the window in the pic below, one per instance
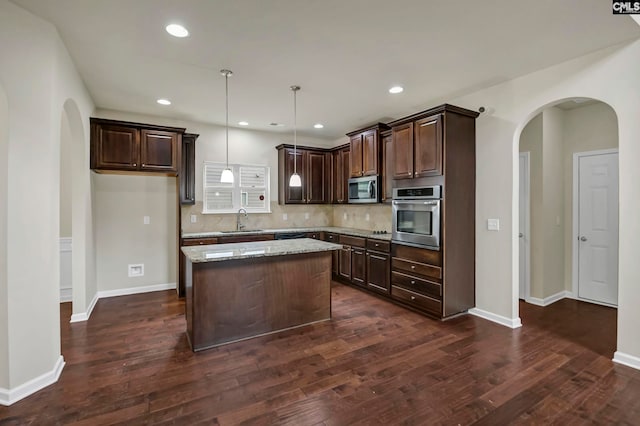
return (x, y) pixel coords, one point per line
(249, 190)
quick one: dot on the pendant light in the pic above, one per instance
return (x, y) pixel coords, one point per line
(227, 174)
(295, 180)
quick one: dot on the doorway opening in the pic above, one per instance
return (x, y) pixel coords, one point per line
(568, 234)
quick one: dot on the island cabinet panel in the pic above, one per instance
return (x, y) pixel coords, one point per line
(236, 299)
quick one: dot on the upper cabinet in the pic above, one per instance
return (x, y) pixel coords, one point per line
(387, 166)
(365, 151)
(419, 140)
(188, 169)
(313, 166)
(341, 171)
(119, 146)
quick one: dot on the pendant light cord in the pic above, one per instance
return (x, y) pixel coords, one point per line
(295, 127)
(226, 93)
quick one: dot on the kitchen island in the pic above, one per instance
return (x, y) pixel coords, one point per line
(242, 290)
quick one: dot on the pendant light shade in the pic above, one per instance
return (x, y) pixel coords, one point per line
(227, 174)
(295, 180)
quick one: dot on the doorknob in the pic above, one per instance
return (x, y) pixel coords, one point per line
(520, 235)
(583, 238)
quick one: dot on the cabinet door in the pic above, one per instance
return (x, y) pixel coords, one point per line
(337, 188)
(403, 151)
(370, 153)
(117, 147)
(379, 272)
(187, 169)
(344, 179)
(355, 144)
(428, 146)
(316, 174)
(358, 266)
(158, 151)
(294, 195)
(387, 167)
(345, 263)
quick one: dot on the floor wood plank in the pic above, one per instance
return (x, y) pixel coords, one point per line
(373, 363)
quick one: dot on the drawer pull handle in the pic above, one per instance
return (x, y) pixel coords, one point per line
(377, 245)
(413, 298)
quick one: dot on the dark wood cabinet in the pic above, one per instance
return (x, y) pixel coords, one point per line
(344, 264)
(386, 195)
(365, 152)
(335, 254)
(119, 146)
(378, 271)
(358, 266)
(313, 166)
(402, 139)
(340, 172)
(427, 144)
(187, 174)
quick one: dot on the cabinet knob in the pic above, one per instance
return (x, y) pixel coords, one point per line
(413, 266)
(413, 281)
(134, 164)
(142, 164)
(409, 173)
(377, 245)
(413, 298)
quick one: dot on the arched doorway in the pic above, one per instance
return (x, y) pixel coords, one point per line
(568, 207)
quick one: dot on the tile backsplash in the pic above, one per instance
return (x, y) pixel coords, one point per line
(348, 216)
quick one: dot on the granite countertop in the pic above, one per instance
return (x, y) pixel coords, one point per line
(347, 231)
(236, 251)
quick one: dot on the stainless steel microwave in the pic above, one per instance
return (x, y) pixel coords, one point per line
(364, 189)
(416, 216)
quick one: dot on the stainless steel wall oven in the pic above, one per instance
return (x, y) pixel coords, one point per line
(416, 216)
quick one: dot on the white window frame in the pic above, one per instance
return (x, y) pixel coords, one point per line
(237, 190)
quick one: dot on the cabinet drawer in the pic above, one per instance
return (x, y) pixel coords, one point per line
(246, 238)
(431, 257)
(420, 301)
(332, 238)
(430, 271)
(199, 241)
(378, 245)
(416, 284)
(352, 241)
(315, 235)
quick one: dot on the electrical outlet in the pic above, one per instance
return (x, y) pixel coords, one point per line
(285, 216)
(344, 216)
(306, 216)
(493, 224)
(367, 217)
(194, 218)
(146, 220)
(136, 270)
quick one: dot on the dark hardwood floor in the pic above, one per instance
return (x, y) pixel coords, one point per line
(373, 363)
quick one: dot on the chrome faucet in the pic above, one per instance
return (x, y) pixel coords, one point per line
(239, 225)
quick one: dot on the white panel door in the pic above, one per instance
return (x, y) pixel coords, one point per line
(523, 234)
(598, 228)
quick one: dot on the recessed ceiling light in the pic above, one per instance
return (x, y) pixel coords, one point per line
(243, 123)
(396, 89)
(318, 126)
(164, 101)
(177, 30)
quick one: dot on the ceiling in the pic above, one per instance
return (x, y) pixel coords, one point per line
(345, 54)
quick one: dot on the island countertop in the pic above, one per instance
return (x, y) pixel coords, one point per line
(236, 251)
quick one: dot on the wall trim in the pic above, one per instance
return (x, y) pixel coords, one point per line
(135, 290)
(10, 396)
(66, 295)
(84, 316)
(499, 319)
(550, 299)
(626, 359)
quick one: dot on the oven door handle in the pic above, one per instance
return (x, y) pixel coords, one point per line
(414, 202)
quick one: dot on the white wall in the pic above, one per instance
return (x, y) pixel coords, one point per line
(588, 128)
(609, 75)
(38, 80)
(531, 141)
(66, 151)
(4, 294)
(552, 200)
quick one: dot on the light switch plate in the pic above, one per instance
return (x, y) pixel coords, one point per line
(285, 216)
(306, 216)
(136, 270)
(146, 220)
(194, 218)
(367, 217)
(493, 224)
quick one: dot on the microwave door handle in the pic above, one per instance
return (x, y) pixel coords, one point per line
(371, 189)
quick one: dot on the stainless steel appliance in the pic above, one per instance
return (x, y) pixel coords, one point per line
(416, 216)
(364, 189)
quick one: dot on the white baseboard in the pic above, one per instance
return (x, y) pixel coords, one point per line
(549, 300)
(84, 316)
(10, 396)
(626, 359)
(66, 295)
(136, 290)
(507, 322)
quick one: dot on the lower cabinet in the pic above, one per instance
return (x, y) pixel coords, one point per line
(358, 267)
(344, 263)
(378, 271)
